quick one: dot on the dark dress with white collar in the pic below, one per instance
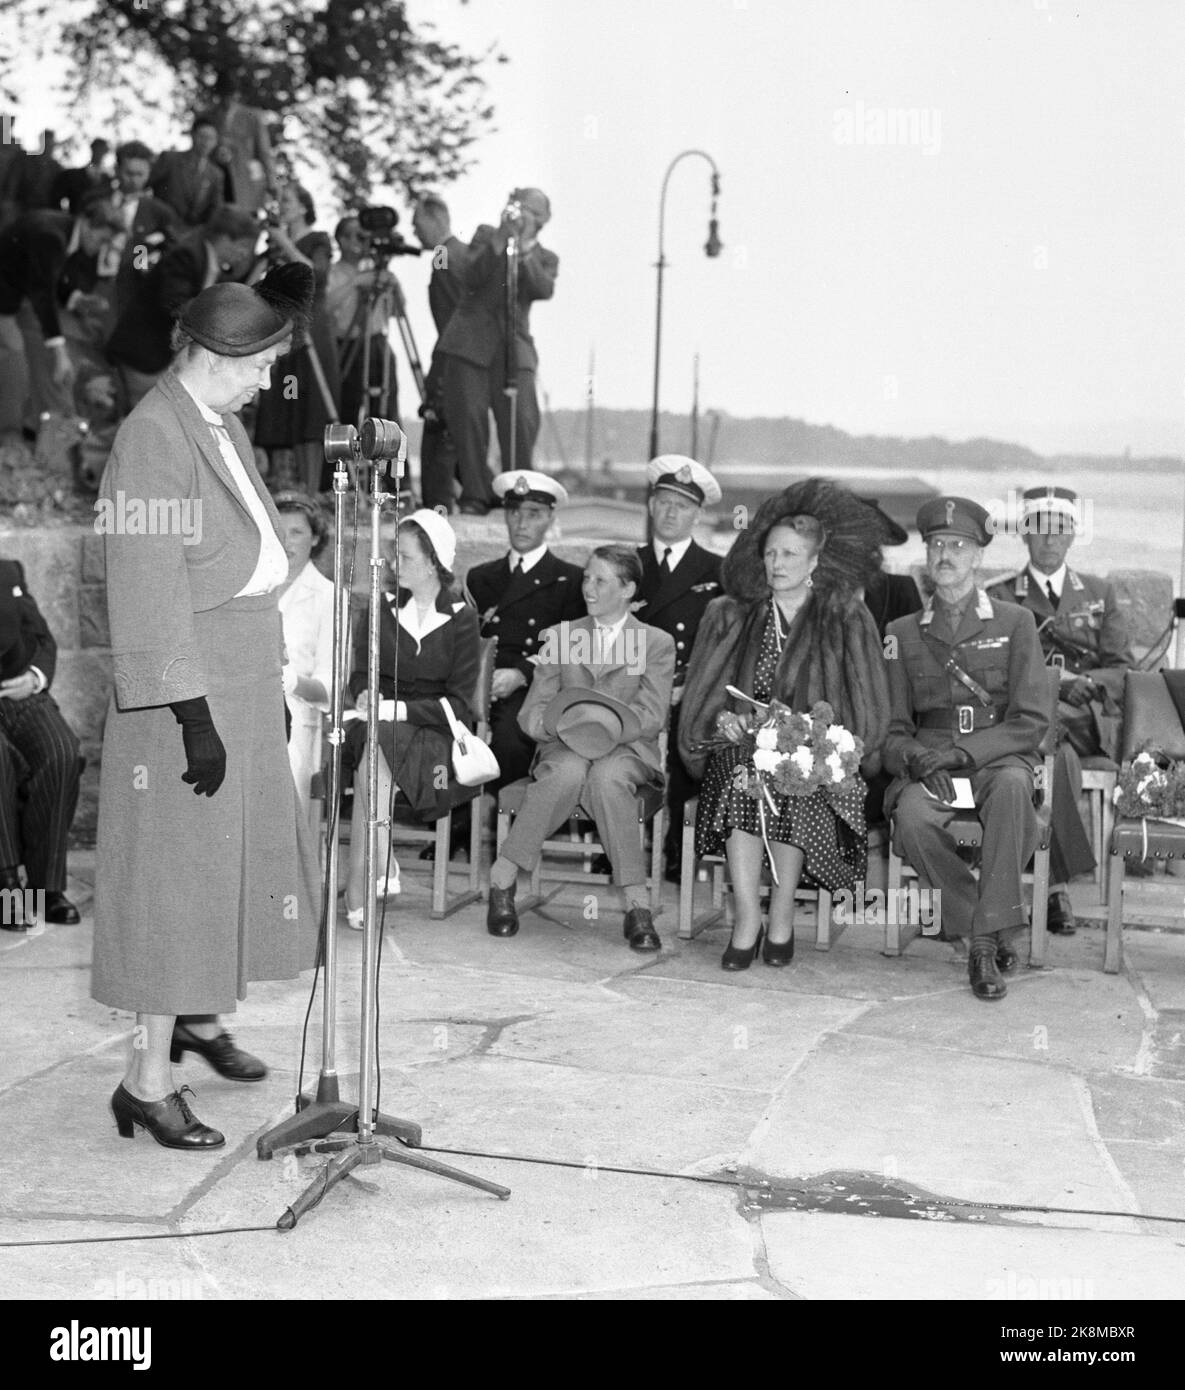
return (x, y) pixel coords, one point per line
(444, 663)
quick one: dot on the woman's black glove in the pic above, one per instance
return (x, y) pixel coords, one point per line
(203, 747)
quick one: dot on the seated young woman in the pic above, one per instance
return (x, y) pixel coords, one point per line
(435, 635)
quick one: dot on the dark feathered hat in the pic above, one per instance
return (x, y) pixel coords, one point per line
(849, 557)
(236, 320)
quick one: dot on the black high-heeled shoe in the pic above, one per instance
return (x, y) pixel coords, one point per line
(170, 1121)
(779, 952)
(222, 1053)
(736, 958)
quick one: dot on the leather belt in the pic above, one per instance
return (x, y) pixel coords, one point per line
(962, 719)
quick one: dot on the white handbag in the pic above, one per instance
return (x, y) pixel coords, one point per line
(473, 759)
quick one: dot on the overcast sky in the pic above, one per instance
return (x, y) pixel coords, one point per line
(954, 217)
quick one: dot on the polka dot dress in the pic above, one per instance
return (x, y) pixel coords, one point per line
(830, 830)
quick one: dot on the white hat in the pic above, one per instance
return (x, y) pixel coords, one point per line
(523, 485)
(683, 474)
(439, 532)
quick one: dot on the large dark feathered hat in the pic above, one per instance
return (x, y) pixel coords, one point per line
(236, 320)
(850, 554)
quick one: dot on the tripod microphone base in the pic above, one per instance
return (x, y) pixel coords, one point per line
(353, 1153)
(327, 1115)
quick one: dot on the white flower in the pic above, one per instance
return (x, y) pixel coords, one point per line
(842, 739)
(767, 737)
(767, 760)
(803, 759)
(835, 763)
(1143, 758)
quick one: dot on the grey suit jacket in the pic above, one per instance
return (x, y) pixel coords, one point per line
(640, 674)
(165, 456)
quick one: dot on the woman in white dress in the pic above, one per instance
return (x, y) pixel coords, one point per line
(306, 608)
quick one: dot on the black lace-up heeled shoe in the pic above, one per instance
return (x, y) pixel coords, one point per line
(170, 1121)
(223, 1054)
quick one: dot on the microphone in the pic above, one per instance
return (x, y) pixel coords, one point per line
(713, 246)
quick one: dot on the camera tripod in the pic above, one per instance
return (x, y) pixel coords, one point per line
(378, 400)
(326, 1124)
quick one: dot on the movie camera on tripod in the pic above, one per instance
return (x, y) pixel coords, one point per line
(384, 241)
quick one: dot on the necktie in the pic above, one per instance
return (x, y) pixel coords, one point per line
(1053, 598)
(665, 567)
(518, 566)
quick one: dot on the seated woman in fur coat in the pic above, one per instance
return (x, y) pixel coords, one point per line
(791, 626)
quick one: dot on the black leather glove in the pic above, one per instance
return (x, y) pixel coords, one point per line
(203, 748)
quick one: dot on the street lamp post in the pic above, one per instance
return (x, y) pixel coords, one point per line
(712, 248)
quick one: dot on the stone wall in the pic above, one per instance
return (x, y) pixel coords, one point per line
(64, 569)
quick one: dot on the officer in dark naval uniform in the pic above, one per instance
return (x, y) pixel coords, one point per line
(34, 740)
(1084, 633)
(679, 579)
(517, 597)
(970, 697)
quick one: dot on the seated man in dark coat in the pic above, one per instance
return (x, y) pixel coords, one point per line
(35, 809)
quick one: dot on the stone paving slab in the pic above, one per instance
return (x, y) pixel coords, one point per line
(959, 1126)
(854, 1258)
(98, 1267)
(560, 1233)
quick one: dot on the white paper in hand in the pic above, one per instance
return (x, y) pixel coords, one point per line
(964, 801)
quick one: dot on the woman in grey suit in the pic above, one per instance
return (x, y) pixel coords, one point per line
(196, 895)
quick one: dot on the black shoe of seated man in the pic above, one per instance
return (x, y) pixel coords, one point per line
(986, 981)
(457, 845)
(1060, 919)
(60, 910)
(1006, 958)
(222, 1053)
(502, 916)
(12, 905)
(639, 930)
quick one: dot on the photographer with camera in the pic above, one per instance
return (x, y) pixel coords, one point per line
(475, 346)
(291, 420)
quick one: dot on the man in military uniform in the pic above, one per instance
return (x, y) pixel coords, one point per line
(1083, 632)
(517, 597)
(969, 697)
(679, 579)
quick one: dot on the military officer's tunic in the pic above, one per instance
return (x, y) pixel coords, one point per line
(516, 609)
(676, 603)
(1087, 630)
(1000, 728)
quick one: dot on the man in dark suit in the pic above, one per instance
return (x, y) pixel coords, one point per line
(39, 762)
(74, 186)
(141, 342)
(438, 453)
(970, 698)
(679, 579)
(1082, 631)
(517, 597)
(474, 344)
(149, 225)
(188, 180)
(50, 260)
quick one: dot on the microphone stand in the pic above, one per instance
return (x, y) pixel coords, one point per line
(510, 350)
(353, 1130)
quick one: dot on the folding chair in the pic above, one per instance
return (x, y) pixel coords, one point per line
(968, 833)
(651, 810)
(1150, 717)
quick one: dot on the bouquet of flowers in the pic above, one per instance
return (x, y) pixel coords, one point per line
(797, 755)
(1151, 792)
